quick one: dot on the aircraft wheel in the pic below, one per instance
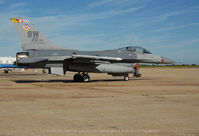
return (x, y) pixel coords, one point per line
(77, 78)
(85, 78)
(126, 78)
(6, 71)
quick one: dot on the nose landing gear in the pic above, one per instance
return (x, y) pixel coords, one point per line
(126, 78)
(136, 74)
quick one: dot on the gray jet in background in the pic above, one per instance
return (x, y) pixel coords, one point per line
(39, 52)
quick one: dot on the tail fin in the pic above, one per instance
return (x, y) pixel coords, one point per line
(30, 36)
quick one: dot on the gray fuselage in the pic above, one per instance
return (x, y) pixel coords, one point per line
(67, 60)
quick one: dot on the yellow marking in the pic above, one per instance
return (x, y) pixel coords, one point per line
(14, 20)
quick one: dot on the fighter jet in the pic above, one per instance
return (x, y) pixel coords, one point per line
(39, 52)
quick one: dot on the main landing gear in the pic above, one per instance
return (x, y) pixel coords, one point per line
(84, 77)
(81, 77)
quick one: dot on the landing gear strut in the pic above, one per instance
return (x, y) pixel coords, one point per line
(136, 74)
(81, 77)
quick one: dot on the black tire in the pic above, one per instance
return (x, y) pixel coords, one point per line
(6, 71)
(85, 78)
(77, 78)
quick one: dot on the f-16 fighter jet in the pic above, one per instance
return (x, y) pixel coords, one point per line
(39, 52)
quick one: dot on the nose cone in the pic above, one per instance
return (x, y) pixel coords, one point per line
(166, 61)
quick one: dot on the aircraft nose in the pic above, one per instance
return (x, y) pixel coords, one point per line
(166, 61)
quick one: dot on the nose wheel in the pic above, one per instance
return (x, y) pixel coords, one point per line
(81, 77)
(126, 78)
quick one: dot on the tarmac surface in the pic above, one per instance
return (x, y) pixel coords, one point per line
(164, 101)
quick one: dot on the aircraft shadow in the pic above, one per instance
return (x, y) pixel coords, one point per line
(71, 81)
(20, 74)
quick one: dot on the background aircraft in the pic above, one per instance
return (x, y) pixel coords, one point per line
(7, 63)
(39, 52)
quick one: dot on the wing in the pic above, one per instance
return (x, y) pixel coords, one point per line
(89, 58)
(30, 60)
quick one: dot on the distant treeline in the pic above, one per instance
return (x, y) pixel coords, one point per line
(173, 65)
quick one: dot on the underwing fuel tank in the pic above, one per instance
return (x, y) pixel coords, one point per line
(116, 68)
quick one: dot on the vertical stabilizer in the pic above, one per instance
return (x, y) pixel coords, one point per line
(31, 37)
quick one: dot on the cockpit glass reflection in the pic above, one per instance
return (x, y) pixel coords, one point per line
(137, 49)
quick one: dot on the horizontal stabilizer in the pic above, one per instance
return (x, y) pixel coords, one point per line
(31, 60)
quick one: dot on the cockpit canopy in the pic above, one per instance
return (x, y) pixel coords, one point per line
(137, 49)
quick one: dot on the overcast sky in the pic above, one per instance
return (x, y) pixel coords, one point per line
(167, 28)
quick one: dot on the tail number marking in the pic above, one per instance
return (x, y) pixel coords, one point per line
(34, 35)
